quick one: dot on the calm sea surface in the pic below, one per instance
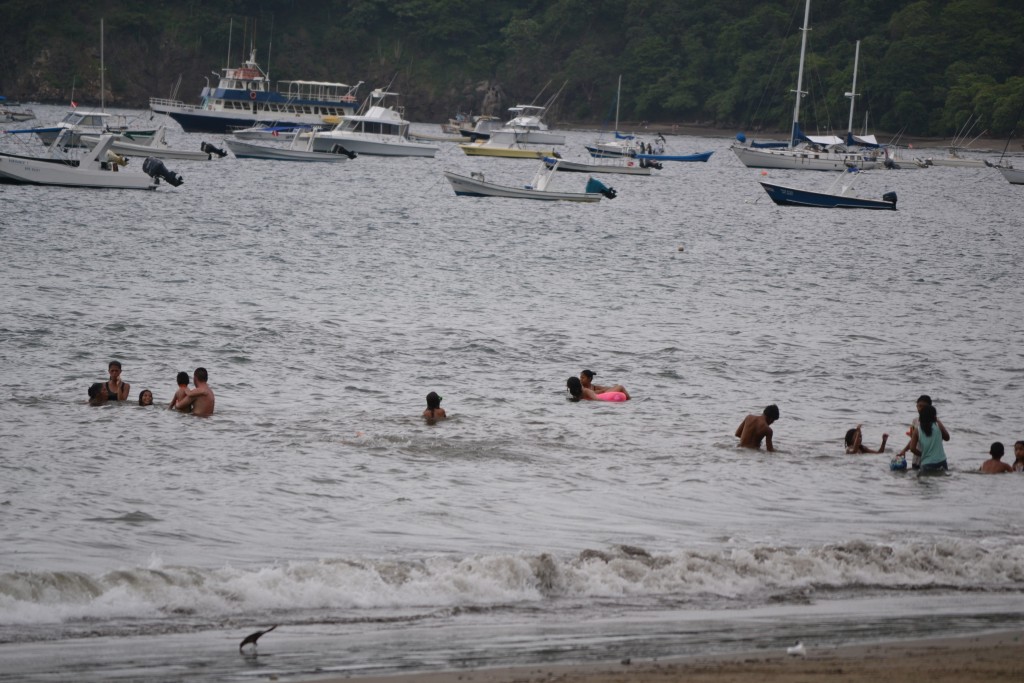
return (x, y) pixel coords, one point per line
(326, 301)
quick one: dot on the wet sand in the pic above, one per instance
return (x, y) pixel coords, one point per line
(992, 657)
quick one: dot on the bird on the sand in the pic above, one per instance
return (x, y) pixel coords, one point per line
(797, 650)
(253, 637)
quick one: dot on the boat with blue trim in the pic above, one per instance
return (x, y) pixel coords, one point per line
(244, 97)
(833, 198)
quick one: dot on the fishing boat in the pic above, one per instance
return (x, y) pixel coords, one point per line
(380, 131)
(244, 149)
(129, 146)
(697, 156)
(97, 168)
(621, 166)
(273, 131)
(475, 185)
(77, 123)
(816, 153)
(833, 198)
(528, 125)
(244, 97)
(507, 144)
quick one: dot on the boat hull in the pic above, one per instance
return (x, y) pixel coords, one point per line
(19, 170)
(789, 196)
(801, 160)
(248, 150)
(486, 150)
(134, 149)
(467, 186)
(386, 146)
(700, 156)
(630, 167)
(1014, 176)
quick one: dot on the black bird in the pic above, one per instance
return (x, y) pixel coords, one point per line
(253, 637)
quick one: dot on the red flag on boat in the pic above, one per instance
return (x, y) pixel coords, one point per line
(74, 105)
(274, 133)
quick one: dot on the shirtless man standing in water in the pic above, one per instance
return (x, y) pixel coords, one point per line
(754, 428)
(201, 398)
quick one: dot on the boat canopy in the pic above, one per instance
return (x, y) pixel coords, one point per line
(862, 140)
(823, 140)
(620, 136)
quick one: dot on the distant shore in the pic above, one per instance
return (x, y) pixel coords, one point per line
(988, 658)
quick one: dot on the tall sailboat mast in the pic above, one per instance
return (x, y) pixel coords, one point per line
(800, 75)
(853, 89)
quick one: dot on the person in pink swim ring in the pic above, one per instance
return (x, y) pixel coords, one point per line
(578, 392)
(587, 380)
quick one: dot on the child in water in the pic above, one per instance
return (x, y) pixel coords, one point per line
(434, 411)
(182, 392)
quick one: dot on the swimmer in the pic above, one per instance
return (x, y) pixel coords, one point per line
(117, 389)
(578, 392)
(434, 411)
(995, 464)
(922, 401)
(98, 394)
(754, 428)
(1018, 454)
(145, 397)
(586, 379)
(182, 391)
(200, 399)
(854, 445)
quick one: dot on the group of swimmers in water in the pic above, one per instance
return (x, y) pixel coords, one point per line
(199, 400)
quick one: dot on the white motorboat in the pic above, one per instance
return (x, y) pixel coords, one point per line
(155, 146)
(77, 123)
(244, 149)
(97, 168)
(620, 166)
(270, 132)
(475, 185)
(381, 131)
(529, 127)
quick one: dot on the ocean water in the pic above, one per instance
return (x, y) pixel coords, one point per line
(141, 544)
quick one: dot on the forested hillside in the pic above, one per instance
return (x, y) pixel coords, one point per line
(925, 65)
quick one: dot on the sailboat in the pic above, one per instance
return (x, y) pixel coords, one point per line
(817, 153)
(621, 145)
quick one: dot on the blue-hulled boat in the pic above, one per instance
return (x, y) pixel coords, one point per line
(244, 98)
(699, 156)
(831, 199)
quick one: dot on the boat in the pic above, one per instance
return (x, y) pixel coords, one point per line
(97, 168)
(380, 131)
(817, 153)
(129, 146)
(622, 166)
(80, 122)
(658, 154)
(833, 198)
(272, 131)
(1015, 176)
(954, 156)
(621, 144)
(244, 149)
(243, 97)
(507, 144)
(480, 127)
(475, 185)
(529, 127)
(12, 111)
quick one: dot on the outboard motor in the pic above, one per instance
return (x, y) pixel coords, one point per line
(595, 185)
(891, 165)
(211, 150)
(155, 168)
(338, 149)
(890, 197)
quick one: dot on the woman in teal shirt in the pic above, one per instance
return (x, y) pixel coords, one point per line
(928, 439)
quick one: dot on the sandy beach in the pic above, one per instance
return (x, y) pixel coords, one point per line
(987, 657)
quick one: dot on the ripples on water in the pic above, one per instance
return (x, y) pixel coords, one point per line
(327, 302)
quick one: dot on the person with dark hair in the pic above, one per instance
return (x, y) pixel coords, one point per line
(578, 392)
(927, 440)
(182, 391)
(117, 389)
(756, 428)
(922, 401)
(854, 442)
(1018, 455)
(98, 394)
(587, 377)
(200, 399)
(145, 397)
(434, 411)
(995, 464)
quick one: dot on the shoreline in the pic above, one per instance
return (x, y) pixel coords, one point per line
(988, 657)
